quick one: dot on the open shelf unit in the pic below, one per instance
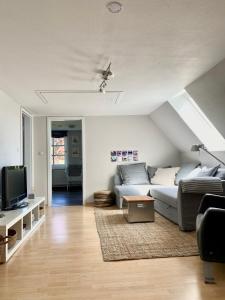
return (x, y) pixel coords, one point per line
(24, 221)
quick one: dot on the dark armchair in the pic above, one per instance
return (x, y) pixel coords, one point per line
(210, 225)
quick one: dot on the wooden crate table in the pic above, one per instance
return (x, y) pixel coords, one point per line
(138, 209)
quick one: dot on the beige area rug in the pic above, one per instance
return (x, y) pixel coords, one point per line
(122, 241)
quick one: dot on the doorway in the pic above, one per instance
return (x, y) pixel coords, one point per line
(65, 162)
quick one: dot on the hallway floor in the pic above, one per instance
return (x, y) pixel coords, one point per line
(62, 197)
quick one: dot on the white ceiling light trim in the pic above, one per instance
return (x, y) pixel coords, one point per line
(42, 94)
(114, 7)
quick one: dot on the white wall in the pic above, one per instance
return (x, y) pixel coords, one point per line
(10, 137)
(40, 156)
(104, 134)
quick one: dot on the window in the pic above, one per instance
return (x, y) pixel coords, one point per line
(197, 121)
(58, 151)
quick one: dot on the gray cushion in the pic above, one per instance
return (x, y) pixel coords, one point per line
(185, 170)
(134, 173)
(151, 172)
(167, 194)
(220, 173)
(117, 179)
(208, 171)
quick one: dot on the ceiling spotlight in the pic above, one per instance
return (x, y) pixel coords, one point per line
(102, 90)
(106, 74)
(114, 7)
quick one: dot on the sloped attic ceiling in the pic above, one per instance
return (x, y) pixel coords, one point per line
(208, 91)
(209, 95)
(172, 125)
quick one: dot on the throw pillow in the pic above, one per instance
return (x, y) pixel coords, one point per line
(220, 173)
(165, 176)
(202, 172)
(134, 173)
(205, 172)
(151, 172)
(184, 170)
(194, 173)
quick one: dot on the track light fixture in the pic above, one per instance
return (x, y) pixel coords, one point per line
(106, 74)
(199, 147)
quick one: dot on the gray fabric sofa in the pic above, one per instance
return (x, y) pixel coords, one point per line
(171, 201)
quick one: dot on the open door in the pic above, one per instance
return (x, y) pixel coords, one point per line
(65, 161)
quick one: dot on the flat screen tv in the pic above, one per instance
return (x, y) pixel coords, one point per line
(14, 187)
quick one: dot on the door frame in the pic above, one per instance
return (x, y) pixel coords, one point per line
(49, 143)
(23, 111)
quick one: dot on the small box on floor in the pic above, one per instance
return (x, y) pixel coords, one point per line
(138, 209)
(103, 198)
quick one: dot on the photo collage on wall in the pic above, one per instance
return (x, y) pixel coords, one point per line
(125, 155)
(75, 146)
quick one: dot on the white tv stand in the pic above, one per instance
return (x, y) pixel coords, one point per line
(32, 215)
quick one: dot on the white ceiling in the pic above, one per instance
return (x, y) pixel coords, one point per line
(157, 47)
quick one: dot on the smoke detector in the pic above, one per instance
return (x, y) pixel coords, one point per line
(114, 7)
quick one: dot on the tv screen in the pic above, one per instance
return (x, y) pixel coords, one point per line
(14, 186)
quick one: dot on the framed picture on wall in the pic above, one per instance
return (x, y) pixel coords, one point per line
(113, 156)
(75, 152)
(130, 155)
(135, 155)
(119, 155)
(124, 156)
(75, 140)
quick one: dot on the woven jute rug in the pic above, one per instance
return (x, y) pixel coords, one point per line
(123, 241)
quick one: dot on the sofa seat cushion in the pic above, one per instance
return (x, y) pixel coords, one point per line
(167, 194)
(131, 190)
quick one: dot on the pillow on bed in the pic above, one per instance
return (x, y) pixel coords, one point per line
(165, 176)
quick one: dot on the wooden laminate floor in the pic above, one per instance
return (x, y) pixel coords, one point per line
(62, 260)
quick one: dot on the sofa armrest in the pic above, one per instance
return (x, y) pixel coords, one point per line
(202, 185)
(210, 200)
(187, 209)
(189, 199)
